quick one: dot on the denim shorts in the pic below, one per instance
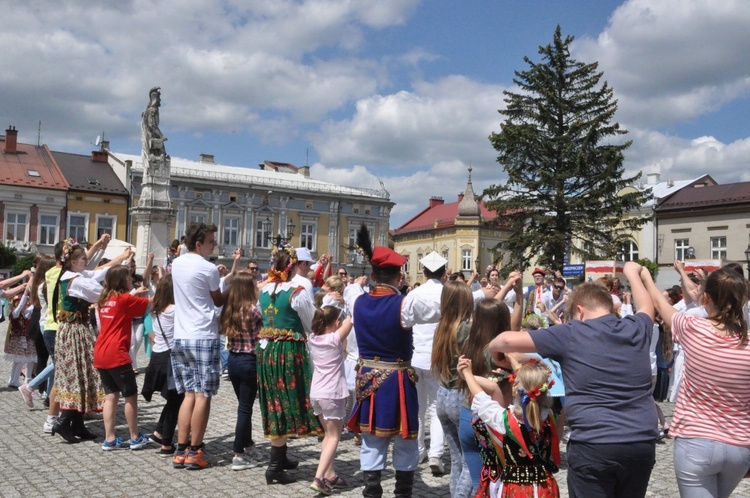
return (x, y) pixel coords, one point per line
(197, 366)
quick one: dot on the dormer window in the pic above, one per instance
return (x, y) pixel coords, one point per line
(34, 173)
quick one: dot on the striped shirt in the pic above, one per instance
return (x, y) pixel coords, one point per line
(714, 397)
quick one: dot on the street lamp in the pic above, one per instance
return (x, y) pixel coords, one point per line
(747, 258)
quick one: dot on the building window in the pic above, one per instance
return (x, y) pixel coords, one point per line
(681, 247)
(420, 266)
(105, 224)
(47, 229)
(628, 251)
(77, 226)
(445, 255)
(231, 231)
(197, 218)
(261, 240)
(406, 265)
(718, 248)
(466, 259)
(15, 227)
(354, 256)
(307, 235)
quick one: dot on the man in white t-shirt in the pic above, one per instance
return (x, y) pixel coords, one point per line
(195, 352)
(424, 303)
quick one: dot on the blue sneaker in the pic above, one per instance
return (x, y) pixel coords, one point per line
(138, 444)
(117, 444)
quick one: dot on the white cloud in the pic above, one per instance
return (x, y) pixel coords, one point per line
(84, 65)
(678, 158)
(674, 59)
(446, 120)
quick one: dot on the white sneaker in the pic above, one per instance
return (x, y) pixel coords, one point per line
(48, 425)
(436, 466)
(243, 462)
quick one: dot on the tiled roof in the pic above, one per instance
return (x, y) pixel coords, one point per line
(706, 197)
(445, 214)
(87, 175)
(30, 166)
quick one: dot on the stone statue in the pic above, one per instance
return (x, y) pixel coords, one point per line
(152, 138)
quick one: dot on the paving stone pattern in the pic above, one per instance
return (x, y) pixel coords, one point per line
(35, 464)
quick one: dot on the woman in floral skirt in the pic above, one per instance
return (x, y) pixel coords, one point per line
(79, 386)
(284, 373)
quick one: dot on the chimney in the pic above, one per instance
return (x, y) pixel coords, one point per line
(460, 197)
(105, 145)
(99, 156)
(11, 140)
(436, 201)
(653, 178)
(207, 158)
(304, 171)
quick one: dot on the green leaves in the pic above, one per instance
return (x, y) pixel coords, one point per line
(564, 159)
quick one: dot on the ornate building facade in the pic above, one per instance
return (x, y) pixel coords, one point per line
(252, 206)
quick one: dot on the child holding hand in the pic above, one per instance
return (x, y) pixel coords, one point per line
(520, 448)
(328, 392)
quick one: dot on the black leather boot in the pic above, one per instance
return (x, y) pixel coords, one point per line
(63, 426)
(404, 483)
(372, 483)
(275, 471)
(287, 463)
(79, 429)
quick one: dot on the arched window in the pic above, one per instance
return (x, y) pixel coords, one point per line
(628, 251)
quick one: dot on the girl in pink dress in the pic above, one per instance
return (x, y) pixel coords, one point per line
(328, 392)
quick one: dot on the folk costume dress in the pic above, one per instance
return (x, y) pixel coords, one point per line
(386, 382)
(517, 462)
(284, 370)
(18, 347)
(79, 386)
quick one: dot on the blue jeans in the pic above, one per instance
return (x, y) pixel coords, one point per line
(48, 373)
(224, 354)
(449, 412)
(374, 450)
(705, 467)
(243, 373)
(470, 448)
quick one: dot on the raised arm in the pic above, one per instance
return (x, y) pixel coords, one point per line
(99, 245)
(9, 282)
(690, 290)
(641, 299)
(345, 329)
(658, 300)
(149, 268)
(516, 318)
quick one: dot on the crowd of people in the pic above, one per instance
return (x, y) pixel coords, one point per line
(498, 375)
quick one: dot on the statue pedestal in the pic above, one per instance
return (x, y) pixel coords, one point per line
(153, 234)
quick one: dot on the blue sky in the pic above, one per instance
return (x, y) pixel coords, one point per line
(406, 91)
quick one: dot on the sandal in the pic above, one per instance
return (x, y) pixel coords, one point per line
(321, 486)
(336, 483)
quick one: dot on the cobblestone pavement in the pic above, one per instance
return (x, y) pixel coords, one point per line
(36, 464)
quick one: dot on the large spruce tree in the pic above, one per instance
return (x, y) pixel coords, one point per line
(564, 160)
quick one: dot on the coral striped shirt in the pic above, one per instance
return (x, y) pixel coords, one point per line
(714, 396)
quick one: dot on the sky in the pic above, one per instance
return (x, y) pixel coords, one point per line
(403, 91)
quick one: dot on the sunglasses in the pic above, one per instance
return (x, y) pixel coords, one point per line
(253, 268)
(559, 287)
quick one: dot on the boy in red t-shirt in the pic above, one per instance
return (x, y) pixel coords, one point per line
(117, 308)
